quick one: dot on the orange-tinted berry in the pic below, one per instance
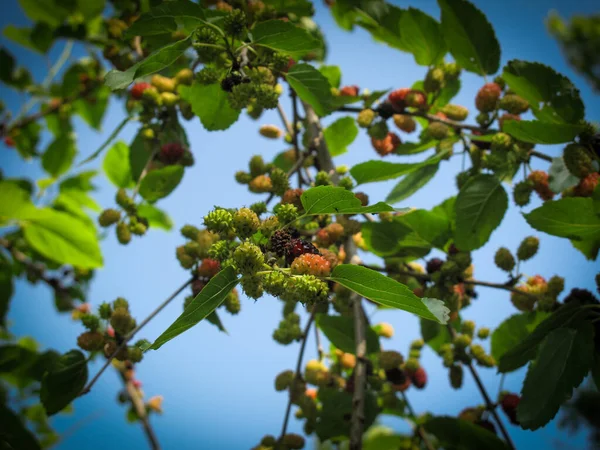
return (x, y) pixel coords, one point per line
(398, 98)
(138, 89)
(349, 91)
(487, 97)
(311, 264)
(386, 145)
(209, 268)
(539, 178)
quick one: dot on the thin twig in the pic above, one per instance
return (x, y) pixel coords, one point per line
(284, 119)
(138, 405)
(491, 407)
(297, 373)
(131, 334)
(320, 351)
(419, 428)
(540, 155)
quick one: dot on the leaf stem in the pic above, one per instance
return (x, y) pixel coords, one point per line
(131, 334)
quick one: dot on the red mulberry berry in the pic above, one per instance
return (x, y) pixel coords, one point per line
(349, 91)
(209, 268)
(398, 98)
(297, 247)
(311, 264)
(539, 178)
(138, 89)
(386, 145)
(505, 117)
(418, 378)
(9, 142)
(171, 153)
(509, 403)
(487, 97)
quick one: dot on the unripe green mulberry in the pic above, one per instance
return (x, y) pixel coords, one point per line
(135, 354)
(245, 222)
(243, 177)
(462, 341)
(456, 376)
(259, 208)
(390, 359)
(248, 258)
(501, 142)
(483, 333)
(270, 131)
(504, 259)
(108, 217)
(378, 130)
(137, 228)
(365, 118)
(438, 130)
(523, 302)
(578, 160)
(284, 380)
(522, 193)
(218, 221)
(306, 289)
(269, 226)
(417, 344)
(286, 212)
(235, 23)
(90, 321)
(121, 321)
(123, 233)
(434, 80)
(514, 104)
(280, 181)
(274, 283)
(483, 359)
(346, 183)
(412, 364)
(451, 71)
(468, 327)
(124, 201)
(260, 184)
(482, 118)
(252, 286)
(232, 302)
(455, 112)
(556, 285)
(91, 341)
(120, 302)
(186, 261)
(190, 232)
(257, 166)
(528, 248)
(405, 123)
(104, 310)
(546, 302)
(288, 330)
(293, 441)
(169, 99)
(322, 178)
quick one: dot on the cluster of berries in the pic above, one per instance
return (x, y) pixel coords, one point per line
(132, 224)
(263, 178)
(538, 293)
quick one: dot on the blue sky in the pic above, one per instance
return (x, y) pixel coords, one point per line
(218, 388)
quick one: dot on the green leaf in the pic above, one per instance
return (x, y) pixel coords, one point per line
(377, 170)
(538, 132)
(382, 238)
(27, 140)
(589, 248)
(463, 435)
(106, 143)
(564, 359)
(412, 148)
(340, 134)
(284, 37)
(560, 178)
(382, 20)
(116, 165)
(514, 330)
(156, 217)
(15, 434)
(336, 408)
(551, 96)
(311, 86)
(333, 75)
(340, 332)
(6, 289)
(411, 183)
(209, 299)
(159, 183)
(480, 207)
(448, 92)
(387, 292)
(64, 381)
(52, 12)
(140, 152)
(79, 182)
(470, 37)
(92, 109)
(210, 103)
(165, 18)
(59, 156)
(422, 36)
(61, 238)
(81, 198)
(571, 217)
(596, 371)
(567, 315)
(14, 202)
(156, 61)
(436, 335)
(214, 318)
(336, 200)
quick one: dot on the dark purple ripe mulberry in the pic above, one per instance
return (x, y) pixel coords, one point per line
(279, 241)
(434, 265)
(297, 247)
